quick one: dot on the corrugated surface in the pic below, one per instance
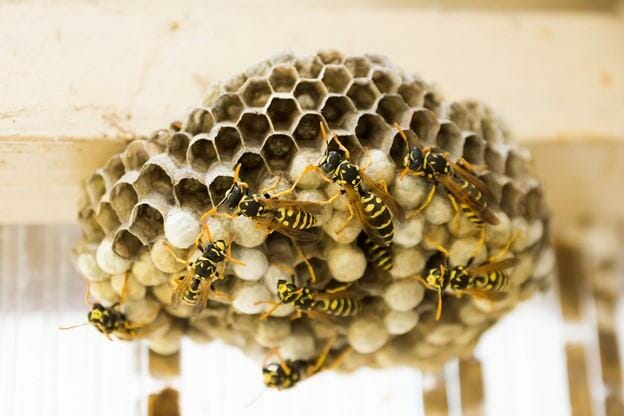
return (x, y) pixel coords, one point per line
(523, 362)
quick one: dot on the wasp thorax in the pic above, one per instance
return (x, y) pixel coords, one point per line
(437, 164)
(234, 195)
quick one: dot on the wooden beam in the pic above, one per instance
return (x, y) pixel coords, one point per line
(82, 78)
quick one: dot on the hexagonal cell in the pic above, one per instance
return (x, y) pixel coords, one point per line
(114, 168)
(153, 178)
(426, 126)
(511, 200)
(393, 109)
(413, 93)
(336, 78)
(320, 269)
(90, 228)
(358, 66)
(148, 223)
(228, 142)
(450, 139)
(533, 203)
(123, 198)
(96, 188)
(218, 187)
(399, 149)
(283, 111)
(433, 102)
(310, 94)
(309, 66)
(256, 92)
(516, 165)
(193, 194)
(233, 84)
(126, 244)
(386, 81)
(254, 127)
(199, 121)
(308, 131)
(363, 93)
(178, 146)
(338, 111)
(107, 218)
(330, 57)
(252, 166)
(228, 107)
(278, 151)
(491, 131)
(474, 148)
(202, 154)
(283, 78)
(135, 155)
(352, 144)
(495, 159)
(372, 131)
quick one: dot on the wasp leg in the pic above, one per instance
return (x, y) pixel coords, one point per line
(308, 169)
(275, 184)
(175, 256)
(480, 243)
(274, 351)
(425, 203)
(437, 246)
(124, 288)
(270, 311)
(505, 249)
(338, 360)
(87, 294)
(322, 358)
(338, 289)
(346, 221)
(456, 219)
(307, 264)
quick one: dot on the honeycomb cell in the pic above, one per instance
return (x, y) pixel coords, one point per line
(393, 109)
(399, 149)
(153, 178)
(515, 165)
(233, 84)
(533, 201)
(363, 93)
(228, 143)
(283, 78)
(336, 78)
(228, 107)
(338, 111)
(495, 159)
(114, 169)
(308, 131)
(433, 102)
(126, 244)
(330, 57)
(135, 155)
(252, 166)
(178, 146)
(199, 121)
(372, 131)
(283, 111)
(386, 81)
(351, 142)
(310, 94)
(148, 223)
(191, 193)
(359, 66)
(474, 148)
(320, 269)
(202, 154)
(218, 187)
(278, 151)
(511, 200)
(413, 93)
(254, 128)
(256, 92)
(123, 198)
(309, 67)
(107, 218)
(96, 188)
(450, 139)
(90, 228)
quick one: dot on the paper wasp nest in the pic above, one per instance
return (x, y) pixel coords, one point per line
(267, 119)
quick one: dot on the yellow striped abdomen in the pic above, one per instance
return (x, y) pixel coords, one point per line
(295, 219)
(378, 214)
(339, 307)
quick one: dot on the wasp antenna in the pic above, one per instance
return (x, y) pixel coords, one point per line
(237, 173)
(439, 310)
(324, 132)
(64, 328)
(258, 397)
(401, 133)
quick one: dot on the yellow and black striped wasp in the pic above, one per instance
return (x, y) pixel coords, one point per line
(485, 281)
(195, 287)
(464, 188)
(368, 200)
(380, 256)
(285, 374)
(109, 321)
(337, 302)
(292, 218)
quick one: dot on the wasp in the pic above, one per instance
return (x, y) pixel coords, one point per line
(368, 200)
(292, 218)
(287, 373)
(486, 281)
(109, 320)
(465, 190)
(380, 256)
(195, 287)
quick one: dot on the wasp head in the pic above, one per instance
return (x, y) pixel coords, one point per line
(234, 195)
(414, 159)
(330, 161)
(274, 376)
(216, 250)
(100, 317)
(435, 277)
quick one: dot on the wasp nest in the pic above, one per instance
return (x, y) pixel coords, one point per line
(268, 120)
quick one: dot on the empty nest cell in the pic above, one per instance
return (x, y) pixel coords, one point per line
(338, 112)
(308, 131)
(363, 93)
(283, 111)
(256, 92)
(278, 151)
(310, 94)
(283, 78)
(336, 78)
(202, 154)
(254, 128)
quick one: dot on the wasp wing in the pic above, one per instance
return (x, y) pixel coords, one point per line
(387, 199)
(484, 294)
(306, 236)
(493, 266)
(354, 200)
(203, 292)
(307, 206)
(461, 169)
(455, 189)
(182, 287)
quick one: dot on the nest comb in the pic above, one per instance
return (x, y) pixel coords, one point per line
(268, 120)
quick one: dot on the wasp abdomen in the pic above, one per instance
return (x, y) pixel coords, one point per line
(380, 256)
(339, 307)
(379, 215)
(295, 219)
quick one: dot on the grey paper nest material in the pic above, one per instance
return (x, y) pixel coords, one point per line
(268, 120)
